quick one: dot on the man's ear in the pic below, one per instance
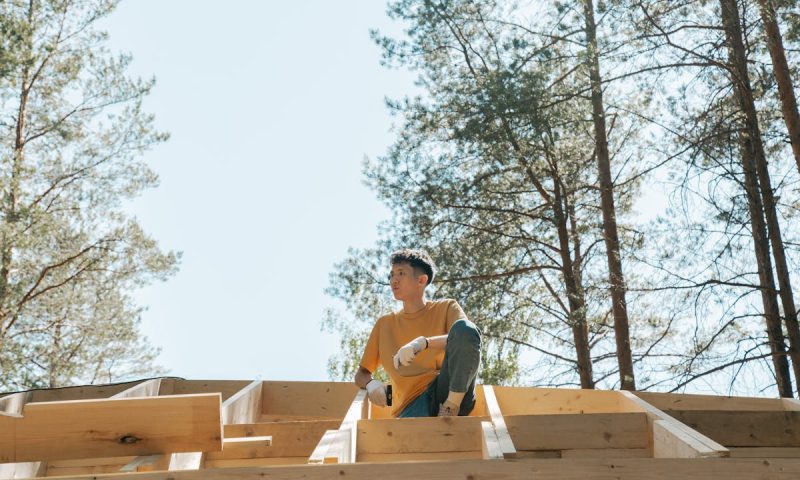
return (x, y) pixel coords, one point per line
(423, 280)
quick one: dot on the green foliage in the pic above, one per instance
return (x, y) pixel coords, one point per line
(69, 256)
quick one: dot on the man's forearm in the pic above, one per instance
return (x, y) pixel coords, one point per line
(438, 342)
(363, 376)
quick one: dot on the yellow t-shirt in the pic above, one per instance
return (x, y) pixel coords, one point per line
(394, 330)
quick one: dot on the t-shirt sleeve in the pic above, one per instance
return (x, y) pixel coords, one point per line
(370, 359)
(454, 313)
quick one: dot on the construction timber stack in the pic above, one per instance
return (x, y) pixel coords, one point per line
(175, 429)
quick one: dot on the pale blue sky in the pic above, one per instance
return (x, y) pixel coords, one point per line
(272, 107)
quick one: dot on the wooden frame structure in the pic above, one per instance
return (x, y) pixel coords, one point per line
(169, 428)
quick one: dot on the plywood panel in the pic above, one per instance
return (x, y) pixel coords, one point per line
(594, 430)
(127, 426)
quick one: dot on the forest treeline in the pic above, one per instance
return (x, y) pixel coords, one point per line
(609, 189)
(72, 133)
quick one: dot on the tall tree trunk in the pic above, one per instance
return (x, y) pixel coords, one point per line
(791, 117)
(575, 296)
(616, 277)
(757, 178)
(780, 68)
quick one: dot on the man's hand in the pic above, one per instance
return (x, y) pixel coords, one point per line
(377, 392)
(409, 351)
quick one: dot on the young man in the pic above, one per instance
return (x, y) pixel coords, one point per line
(429, 348)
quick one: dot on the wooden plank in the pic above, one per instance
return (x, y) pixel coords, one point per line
(765, 452)
(227, 388)
(548, 469)
(672, 432)
(419, 457)
(23, 470)
(85, 470)
(681, 401)
(283, 432)
(11, 406)
(591, 430)
(538, 453)
(529, 401)
(88, 462)
(14, 402)
(244, 406)
(308, 399)
(148, 388)
(491, 445)
(243, 443)
(745, 428)
(671, 441)
(83, 392)
(606, 453)
(500, 428)
(420, 435)
(185, 461)
(255, 462)
(290, 439)
(115, 427)
(331, 448)
(143, 463)
(791, 404)
(343, 446)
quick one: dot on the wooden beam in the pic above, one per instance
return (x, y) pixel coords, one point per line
(82, 392)
(11, 406)
(745, 428)
(342, 445)
(682, 401)
(765, 452)
(112, 427)
(420, 435)
(307, 400)
(548, 469)
(244, 406)
(673, 439)
(547, 401)
(500, 428)
(144, 463)
(148, 388)
(242, 443)
(491, 445)
(185, 461)
(590, 430)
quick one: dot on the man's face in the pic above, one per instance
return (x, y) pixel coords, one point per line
(405, 283)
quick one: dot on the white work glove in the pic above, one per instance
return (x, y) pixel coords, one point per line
(377, 392)
(409, 351)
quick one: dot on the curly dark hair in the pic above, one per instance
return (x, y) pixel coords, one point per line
(419, 260)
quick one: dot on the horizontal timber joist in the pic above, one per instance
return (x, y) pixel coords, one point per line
(550, 469)
(112, 427)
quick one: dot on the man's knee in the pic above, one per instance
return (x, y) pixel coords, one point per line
(464, 331)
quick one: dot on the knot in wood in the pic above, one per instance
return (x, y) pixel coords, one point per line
(128, 439)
